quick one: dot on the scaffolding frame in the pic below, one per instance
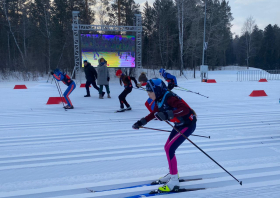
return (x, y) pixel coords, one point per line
(76, 27)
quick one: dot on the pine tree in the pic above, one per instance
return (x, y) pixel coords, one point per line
(257, 37)
(267, 50)
(148, 35)
(167, 32)
(127, 10)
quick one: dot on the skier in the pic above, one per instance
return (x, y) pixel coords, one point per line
(59, 76)
(142, 79)
(172, 81)
(126, 80)
(169, 106)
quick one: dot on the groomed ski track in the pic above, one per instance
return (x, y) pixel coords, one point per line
(48, 152)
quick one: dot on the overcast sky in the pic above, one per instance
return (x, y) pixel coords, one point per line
(263, 11)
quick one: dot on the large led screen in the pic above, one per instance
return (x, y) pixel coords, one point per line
(118, 50)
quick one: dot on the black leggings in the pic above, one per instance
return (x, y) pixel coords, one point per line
(173, 142)
(122, 97)
(93, 84)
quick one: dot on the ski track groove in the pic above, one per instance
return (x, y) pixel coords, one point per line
(55, 138)
(87, 123)
(34, 161)
(216, 181)
(202, 117)
(51, 159)
(223, 142)
(44, 111)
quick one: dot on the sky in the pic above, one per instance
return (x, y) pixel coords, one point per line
(264, 12)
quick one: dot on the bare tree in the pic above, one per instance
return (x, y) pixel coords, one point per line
(180, 9)
(16, 42)
(193, 20)
(48, 37)
(9, 50)
(247, 31)
(24, 18)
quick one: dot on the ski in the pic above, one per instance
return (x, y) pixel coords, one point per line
(157, 182)
(141, 185)
(157, 192)
(153, 192)
(90, 190)
(118, 111)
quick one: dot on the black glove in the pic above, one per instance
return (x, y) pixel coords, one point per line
(175, 85)
(162, 116)
(52, 73)
(108, 78)
(139, 123)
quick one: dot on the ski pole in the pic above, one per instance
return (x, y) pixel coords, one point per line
(140, 88)
(184, 75)
(240, 182)
(183, 89)
(60, 90)
(49, 77)
(192, 91)
(60, 94)
(171, 131)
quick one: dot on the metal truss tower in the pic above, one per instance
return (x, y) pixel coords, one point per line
(76, 37)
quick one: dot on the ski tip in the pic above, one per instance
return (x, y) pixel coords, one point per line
(155, 182)
(240, 183)
(90, 190)
(154, 192)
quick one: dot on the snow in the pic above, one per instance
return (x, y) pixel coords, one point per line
(49, 152)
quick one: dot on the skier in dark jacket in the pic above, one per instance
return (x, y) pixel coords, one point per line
(126, 80)
(91, 76)
(169, 106)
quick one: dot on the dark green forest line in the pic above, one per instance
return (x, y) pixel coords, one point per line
(36, 35)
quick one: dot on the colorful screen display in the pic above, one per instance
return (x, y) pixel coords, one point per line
(117, 50)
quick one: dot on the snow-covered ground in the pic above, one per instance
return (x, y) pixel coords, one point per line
(48, 152)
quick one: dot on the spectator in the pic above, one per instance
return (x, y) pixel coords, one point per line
(103, 77)
(91, 76)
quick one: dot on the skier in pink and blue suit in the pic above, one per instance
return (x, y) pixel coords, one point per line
(169, 106)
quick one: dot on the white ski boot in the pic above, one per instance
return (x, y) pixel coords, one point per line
(163, 180)
(172, 185)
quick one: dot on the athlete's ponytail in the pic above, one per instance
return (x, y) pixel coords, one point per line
(194, 113)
